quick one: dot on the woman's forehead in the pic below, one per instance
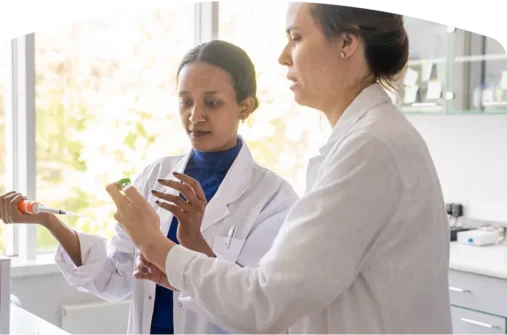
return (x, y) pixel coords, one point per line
(205, 78)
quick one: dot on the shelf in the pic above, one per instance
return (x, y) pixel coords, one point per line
(457, 112)
(458, 59)
(470, 67)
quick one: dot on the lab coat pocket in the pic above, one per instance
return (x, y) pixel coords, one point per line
(229, 253)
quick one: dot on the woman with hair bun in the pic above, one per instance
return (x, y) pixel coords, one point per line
(366, 248)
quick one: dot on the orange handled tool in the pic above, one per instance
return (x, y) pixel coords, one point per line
(34, 207)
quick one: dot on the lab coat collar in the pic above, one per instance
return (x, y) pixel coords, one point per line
(370, 97)
(232, 187)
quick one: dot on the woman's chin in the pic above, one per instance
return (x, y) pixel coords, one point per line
(299, 98)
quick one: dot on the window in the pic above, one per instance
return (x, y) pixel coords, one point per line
(4, 79)
(281, 134)
(106, 106)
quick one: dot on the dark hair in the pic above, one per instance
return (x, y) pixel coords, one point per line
(384, 36)
(231, 59)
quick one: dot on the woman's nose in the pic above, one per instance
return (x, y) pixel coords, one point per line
(197, 115)
(285, 57)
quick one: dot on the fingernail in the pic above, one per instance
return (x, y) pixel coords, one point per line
(153, 191)
(157, 202)
(176, 173)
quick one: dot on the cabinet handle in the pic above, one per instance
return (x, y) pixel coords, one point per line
(477, 323)
(460, 290)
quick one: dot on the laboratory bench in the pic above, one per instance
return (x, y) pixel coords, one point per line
(478, 288)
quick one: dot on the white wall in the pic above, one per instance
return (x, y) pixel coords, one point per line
(470, 153)
(43, 295)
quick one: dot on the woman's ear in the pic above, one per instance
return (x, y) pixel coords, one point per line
(247, 108)
(347, 44)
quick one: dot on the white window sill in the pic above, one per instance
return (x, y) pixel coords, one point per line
(44, 264)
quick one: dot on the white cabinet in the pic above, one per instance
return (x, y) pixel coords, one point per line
(478, 288)
(465, 321)
(479, 303)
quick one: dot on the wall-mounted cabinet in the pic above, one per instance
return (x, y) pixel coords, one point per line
(452, 71)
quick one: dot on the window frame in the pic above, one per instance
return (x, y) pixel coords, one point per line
(20, 168)
(20, 240)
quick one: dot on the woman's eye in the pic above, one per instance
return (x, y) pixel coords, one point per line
(296, 38)
(185, 103)
(213, 103)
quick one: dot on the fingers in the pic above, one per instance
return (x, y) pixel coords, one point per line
(184, 189)
(115, 192)
(185, 206)
(15, 212)
(140, 275)
(194, 184)
(7, 218)
(178, 212)
(2, 206)
(9, 212)
(142, 265)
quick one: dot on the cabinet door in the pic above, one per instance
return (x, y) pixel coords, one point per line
(465, 321)
(483, 61)
(425, 82)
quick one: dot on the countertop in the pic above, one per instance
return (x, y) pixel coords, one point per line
(24, 322)
(483, 260)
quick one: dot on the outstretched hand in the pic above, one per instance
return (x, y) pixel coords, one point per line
(136, 216)
(188, 211)
(148, 271)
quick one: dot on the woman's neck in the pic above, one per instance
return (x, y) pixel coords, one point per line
(337, 107)
(216, 160)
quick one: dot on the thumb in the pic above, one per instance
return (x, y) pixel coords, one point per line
(140, 275)
(135, 197)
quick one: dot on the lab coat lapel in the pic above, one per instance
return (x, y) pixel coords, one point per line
(166, 217)
(232, 187)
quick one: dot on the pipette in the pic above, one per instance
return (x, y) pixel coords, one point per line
(34, 207)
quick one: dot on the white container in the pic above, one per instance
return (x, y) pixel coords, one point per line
(478, 237)
(5, 295)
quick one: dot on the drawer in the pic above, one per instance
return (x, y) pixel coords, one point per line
(465, 321)
(478, 292)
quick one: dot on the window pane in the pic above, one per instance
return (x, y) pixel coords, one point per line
(281, 134)
(4, 79)
(106, 106)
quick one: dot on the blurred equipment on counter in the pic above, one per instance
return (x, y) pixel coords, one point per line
(482, 236)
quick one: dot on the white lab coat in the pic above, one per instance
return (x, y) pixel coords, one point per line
(250, 197)
(365, 250)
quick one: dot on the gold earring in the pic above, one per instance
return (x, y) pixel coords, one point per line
(243, 117)
(342, 54)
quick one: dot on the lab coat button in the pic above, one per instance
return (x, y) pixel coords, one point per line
(180, 304)
(149, 297)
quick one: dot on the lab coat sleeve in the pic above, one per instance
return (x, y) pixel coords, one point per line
(325, 240)
(107, 267)
(259, 241)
